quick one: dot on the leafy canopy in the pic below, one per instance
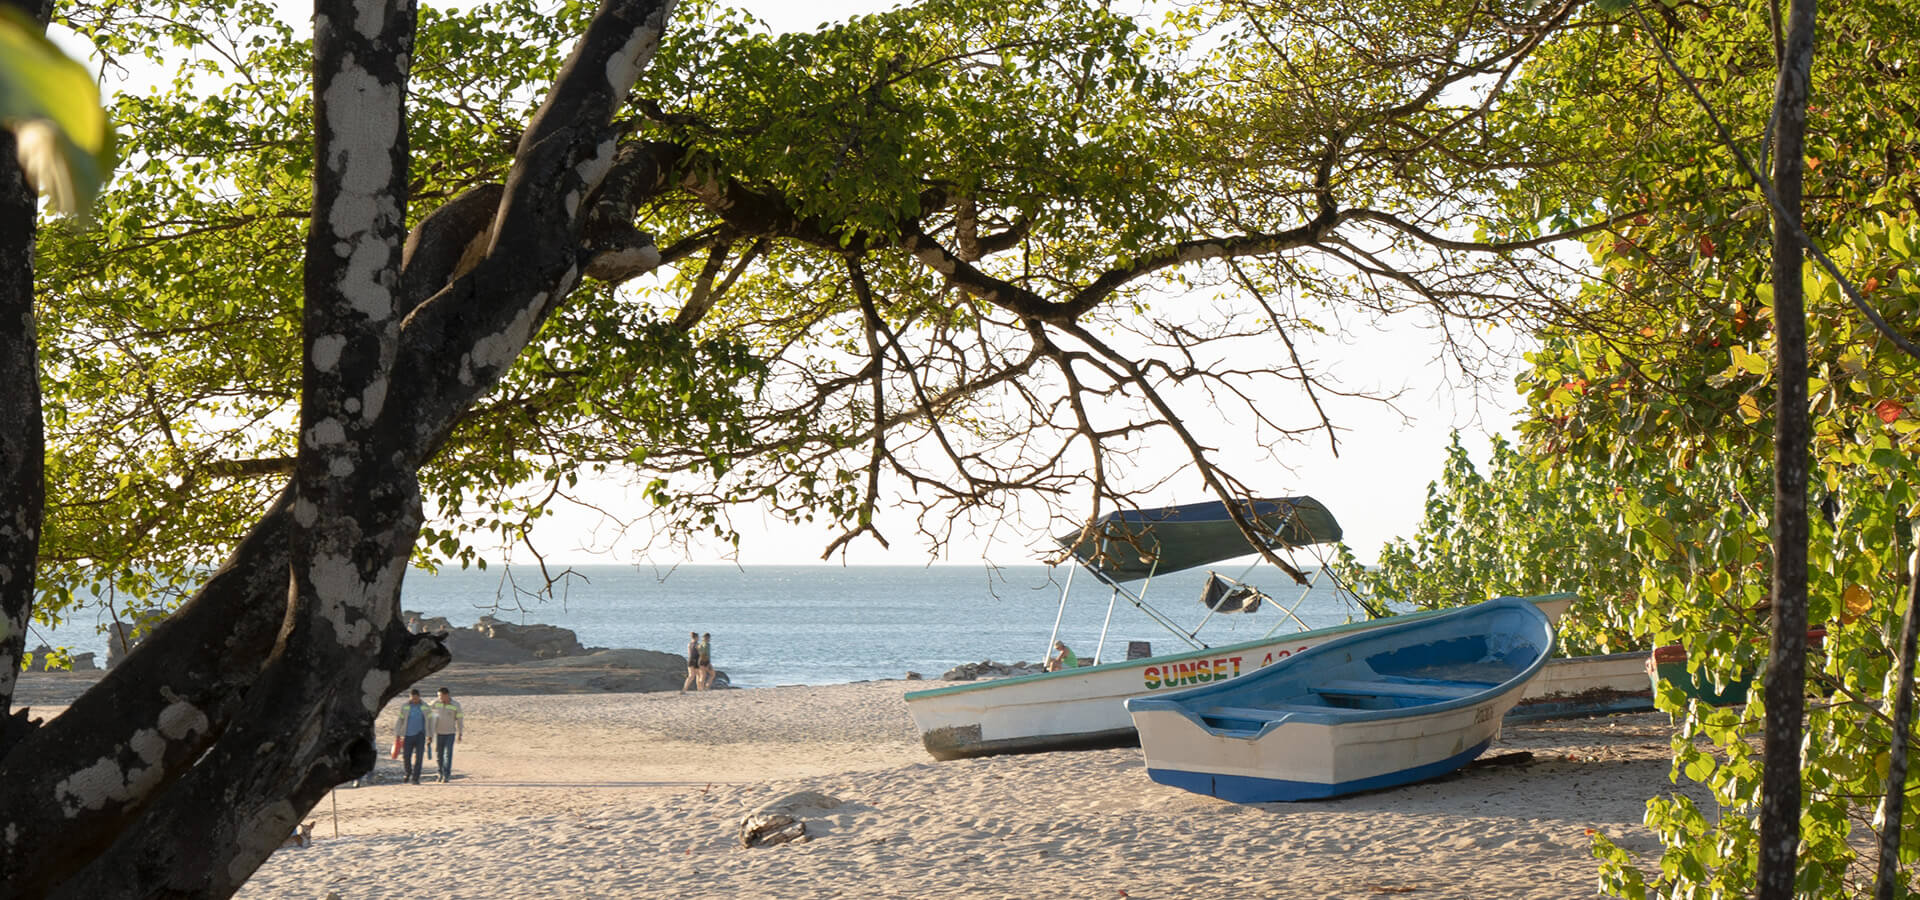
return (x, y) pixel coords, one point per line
(1644, 470)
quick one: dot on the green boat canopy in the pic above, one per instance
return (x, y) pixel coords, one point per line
(1128, 545)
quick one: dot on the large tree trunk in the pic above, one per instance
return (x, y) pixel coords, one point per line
(22, 438)
(189, 763)
(1786, 664)
(305, 726)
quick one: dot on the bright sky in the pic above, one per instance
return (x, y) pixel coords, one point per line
(1376, 486)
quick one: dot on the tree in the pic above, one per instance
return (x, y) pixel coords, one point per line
(21, 447)
(1654, 420)
(879, 269)
(1786, 687)
(376, 401)
(1525, 527)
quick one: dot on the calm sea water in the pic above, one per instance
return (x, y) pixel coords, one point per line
(827, 625)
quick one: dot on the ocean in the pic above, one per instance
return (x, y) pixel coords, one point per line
(820, 624)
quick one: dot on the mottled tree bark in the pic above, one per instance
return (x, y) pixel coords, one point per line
(1893, 804)
(355, 511)
(188, 764)
(1786, 664)
(22, 434)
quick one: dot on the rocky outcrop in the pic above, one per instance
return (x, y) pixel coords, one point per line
(121, 639)
(991, 669)
(493, 642)
(601, 657)
(542, 641)
(418, 624)
(43, 661)
(631, 670)
(547, 647)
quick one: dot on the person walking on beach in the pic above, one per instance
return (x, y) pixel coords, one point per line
(706, 661)
(693, 662)
(411, 728)
(448, 727)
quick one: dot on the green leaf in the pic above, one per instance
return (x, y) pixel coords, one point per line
(1699, 767)
(52, 105)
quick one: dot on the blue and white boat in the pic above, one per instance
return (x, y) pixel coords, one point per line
(1393, 705)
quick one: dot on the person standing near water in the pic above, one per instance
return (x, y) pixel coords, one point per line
(411, 728)
(448, 726)
(693, 662)
(706, 661)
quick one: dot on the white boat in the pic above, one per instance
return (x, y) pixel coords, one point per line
(1576, 686)
(1385, 707)
(1084, 707)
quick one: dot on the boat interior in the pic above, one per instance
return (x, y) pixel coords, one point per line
(1351, 685)
(1336, 694)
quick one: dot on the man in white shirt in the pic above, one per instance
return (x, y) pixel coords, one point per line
(448, 726)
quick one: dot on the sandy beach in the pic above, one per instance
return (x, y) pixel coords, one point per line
(641, 795)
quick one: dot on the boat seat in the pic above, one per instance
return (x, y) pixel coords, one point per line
(1254, 713)
(1246, 721)
(1398, 689)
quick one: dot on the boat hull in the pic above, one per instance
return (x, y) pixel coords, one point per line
(1085, 708)
(1304, 761)
(1577, 686)
(1367, 711)
(1238, 788)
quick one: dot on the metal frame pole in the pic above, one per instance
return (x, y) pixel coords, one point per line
(1058, 615)
(1100, 648)
(1139, 602)
(1288, 613)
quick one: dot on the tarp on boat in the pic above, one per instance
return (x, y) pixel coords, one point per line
(1131, 544)
(1224, 595)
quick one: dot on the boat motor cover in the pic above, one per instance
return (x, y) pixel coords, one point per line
(1127, 545)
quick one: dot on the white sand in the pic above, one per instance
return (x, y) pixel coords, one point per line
(640, 795)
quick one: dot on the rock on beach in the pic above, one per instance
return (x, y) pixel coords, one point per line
(548, 659)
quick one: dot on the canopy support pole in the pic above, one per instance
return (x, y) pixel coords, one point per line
(1289, 611)
(1101, 647)
(1272, 529)
(1139, 602)
(1057, 616)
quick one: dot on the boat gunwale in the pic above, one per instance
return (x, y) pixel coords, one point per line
(1143, 662)
(1334, 716)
